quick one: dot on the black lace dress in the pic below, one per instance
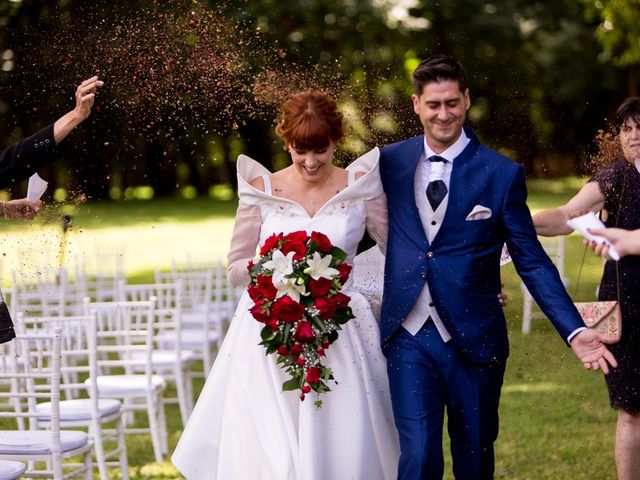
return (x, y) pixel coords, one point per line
(619, 182)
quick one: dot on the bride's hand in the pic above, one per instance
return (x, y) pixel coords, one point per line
(502, 297)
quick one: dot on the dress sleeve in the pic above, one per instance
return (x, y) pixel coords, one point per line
(608, 180)
(244, 241)
(378, 221)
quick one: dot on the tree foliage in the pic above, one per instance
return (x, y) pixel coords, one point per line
(191, 84)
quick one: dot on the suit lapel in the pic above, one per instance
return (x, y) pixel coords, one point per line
(407, 183)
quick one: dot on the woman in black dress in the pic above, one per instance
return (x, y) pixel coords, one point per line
(615, 188)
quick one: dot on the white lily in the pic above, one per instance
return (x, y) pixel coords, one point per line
(281, 266)
(292, 288)
(319, 267)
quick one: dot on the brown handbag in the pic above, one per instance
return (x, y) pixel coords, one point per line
(603, 317)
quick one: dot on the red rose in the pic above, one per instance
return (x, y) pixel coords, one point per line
(320, 351)
(272, 323)
(298, 236)
(345, 270)
(323, 244)
(306, 389)
(304, 333)
(270, 243)
(313, 375)
(320, 287)
(254, 293)
(340, 299)
(259, 313)
(300, 361)
(287, 309)
(325, 344)
(250, 265)
(326, 307)
(265, 287)
(299, 248)
(296, 349)
(282, 350)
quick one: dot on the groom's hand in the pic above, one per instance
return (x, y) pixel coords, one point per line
(589, 347)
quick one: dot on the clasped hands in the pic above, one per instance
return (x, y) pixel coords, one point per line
(590, 347)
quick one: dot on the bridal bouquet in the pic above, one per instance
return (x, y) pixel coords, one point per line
(295, 286)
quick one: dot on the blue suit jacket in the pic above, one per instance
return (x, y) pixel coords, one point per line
(462, 265)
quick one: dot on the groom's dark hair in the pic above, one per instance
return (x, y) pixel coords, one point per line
(436, 68)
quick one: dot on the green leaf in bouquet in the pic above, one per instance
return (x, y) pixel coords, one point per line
(338, 256)
(292, 384)
(286, 333)
(327, 374)
(319, 324)
(267, 334)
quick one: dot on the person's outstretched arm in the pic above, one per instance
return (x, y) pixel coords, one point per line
(21, 160)
(552, 222)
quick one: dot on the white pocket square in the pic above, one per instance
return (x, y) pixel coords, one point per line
(479, 212)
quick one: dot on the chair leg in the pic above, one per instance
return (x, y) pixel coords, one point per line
(99, 450)
(182, 394)
(88, 464)
(122, 448)
(162, 421)
(154, 404)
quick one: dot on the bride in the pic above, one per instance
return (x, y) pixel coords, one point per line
(243, 425)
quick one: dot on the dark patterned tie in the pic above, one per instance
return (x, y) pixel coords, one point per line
(436, 190)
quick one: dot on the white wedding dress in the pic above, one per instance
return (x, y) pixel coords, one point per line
(243, 425)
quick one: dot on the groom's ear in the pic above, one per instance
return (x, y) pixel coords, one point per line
(467, 99)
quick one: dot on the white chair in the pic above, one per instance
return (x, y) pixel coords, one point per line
(169, 358)
(202, 317)
(101, 271)
(554, 246)
(38, 376)
(78, 362)
(125, 339)
(11, 470)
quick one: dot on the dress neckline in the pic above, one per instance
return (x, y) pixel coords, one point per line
(368, 186)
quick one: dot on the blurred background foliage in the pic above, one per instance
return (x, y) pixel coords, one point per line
(191, 84)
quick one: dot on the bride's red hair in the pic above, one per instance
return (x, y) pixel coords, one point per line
(310, 120)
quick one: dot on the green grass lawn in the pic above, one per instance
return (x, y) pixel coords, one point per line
(555, 418)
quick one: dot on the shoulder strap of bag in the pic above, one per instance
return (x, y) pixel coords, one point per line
(575, 291)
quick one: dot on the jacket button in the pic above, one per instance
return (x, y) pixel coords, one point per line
(423, 275)
(429, 254)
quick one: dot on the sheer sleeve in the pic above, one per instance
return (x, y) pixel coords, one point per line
(244, 241)
(378, 221)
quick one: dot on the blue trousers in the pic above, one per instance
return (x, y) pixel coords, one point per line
(426, 376)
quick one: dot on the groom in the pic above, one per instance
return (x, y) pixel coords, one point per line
(453, 202)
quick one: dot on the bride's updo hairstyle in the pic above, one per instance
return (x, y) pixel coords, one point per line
(309, 120)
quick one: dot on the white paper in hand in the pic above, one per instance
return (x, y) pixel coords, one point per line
(589, 220)
(36, 189)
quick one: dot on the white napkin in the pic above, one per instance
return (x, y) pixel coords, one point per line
(36, 188)
(589, 220)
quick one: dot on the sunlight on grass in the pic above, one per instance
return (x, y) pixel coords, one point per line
(533, 387)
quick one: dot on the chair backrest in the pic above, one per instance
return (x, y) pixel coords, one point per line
(168, 304)
(77, 360)
(125, 332)
(33, 361)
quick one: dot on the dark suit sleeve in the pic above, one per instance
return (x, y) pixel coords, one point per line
(532, 263)
(21, 160)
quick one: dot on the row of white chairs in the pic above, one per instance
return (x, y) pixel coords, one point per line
(151, 334)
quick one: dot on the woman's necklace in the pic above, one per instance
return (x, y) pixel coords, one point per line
(320, 189)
